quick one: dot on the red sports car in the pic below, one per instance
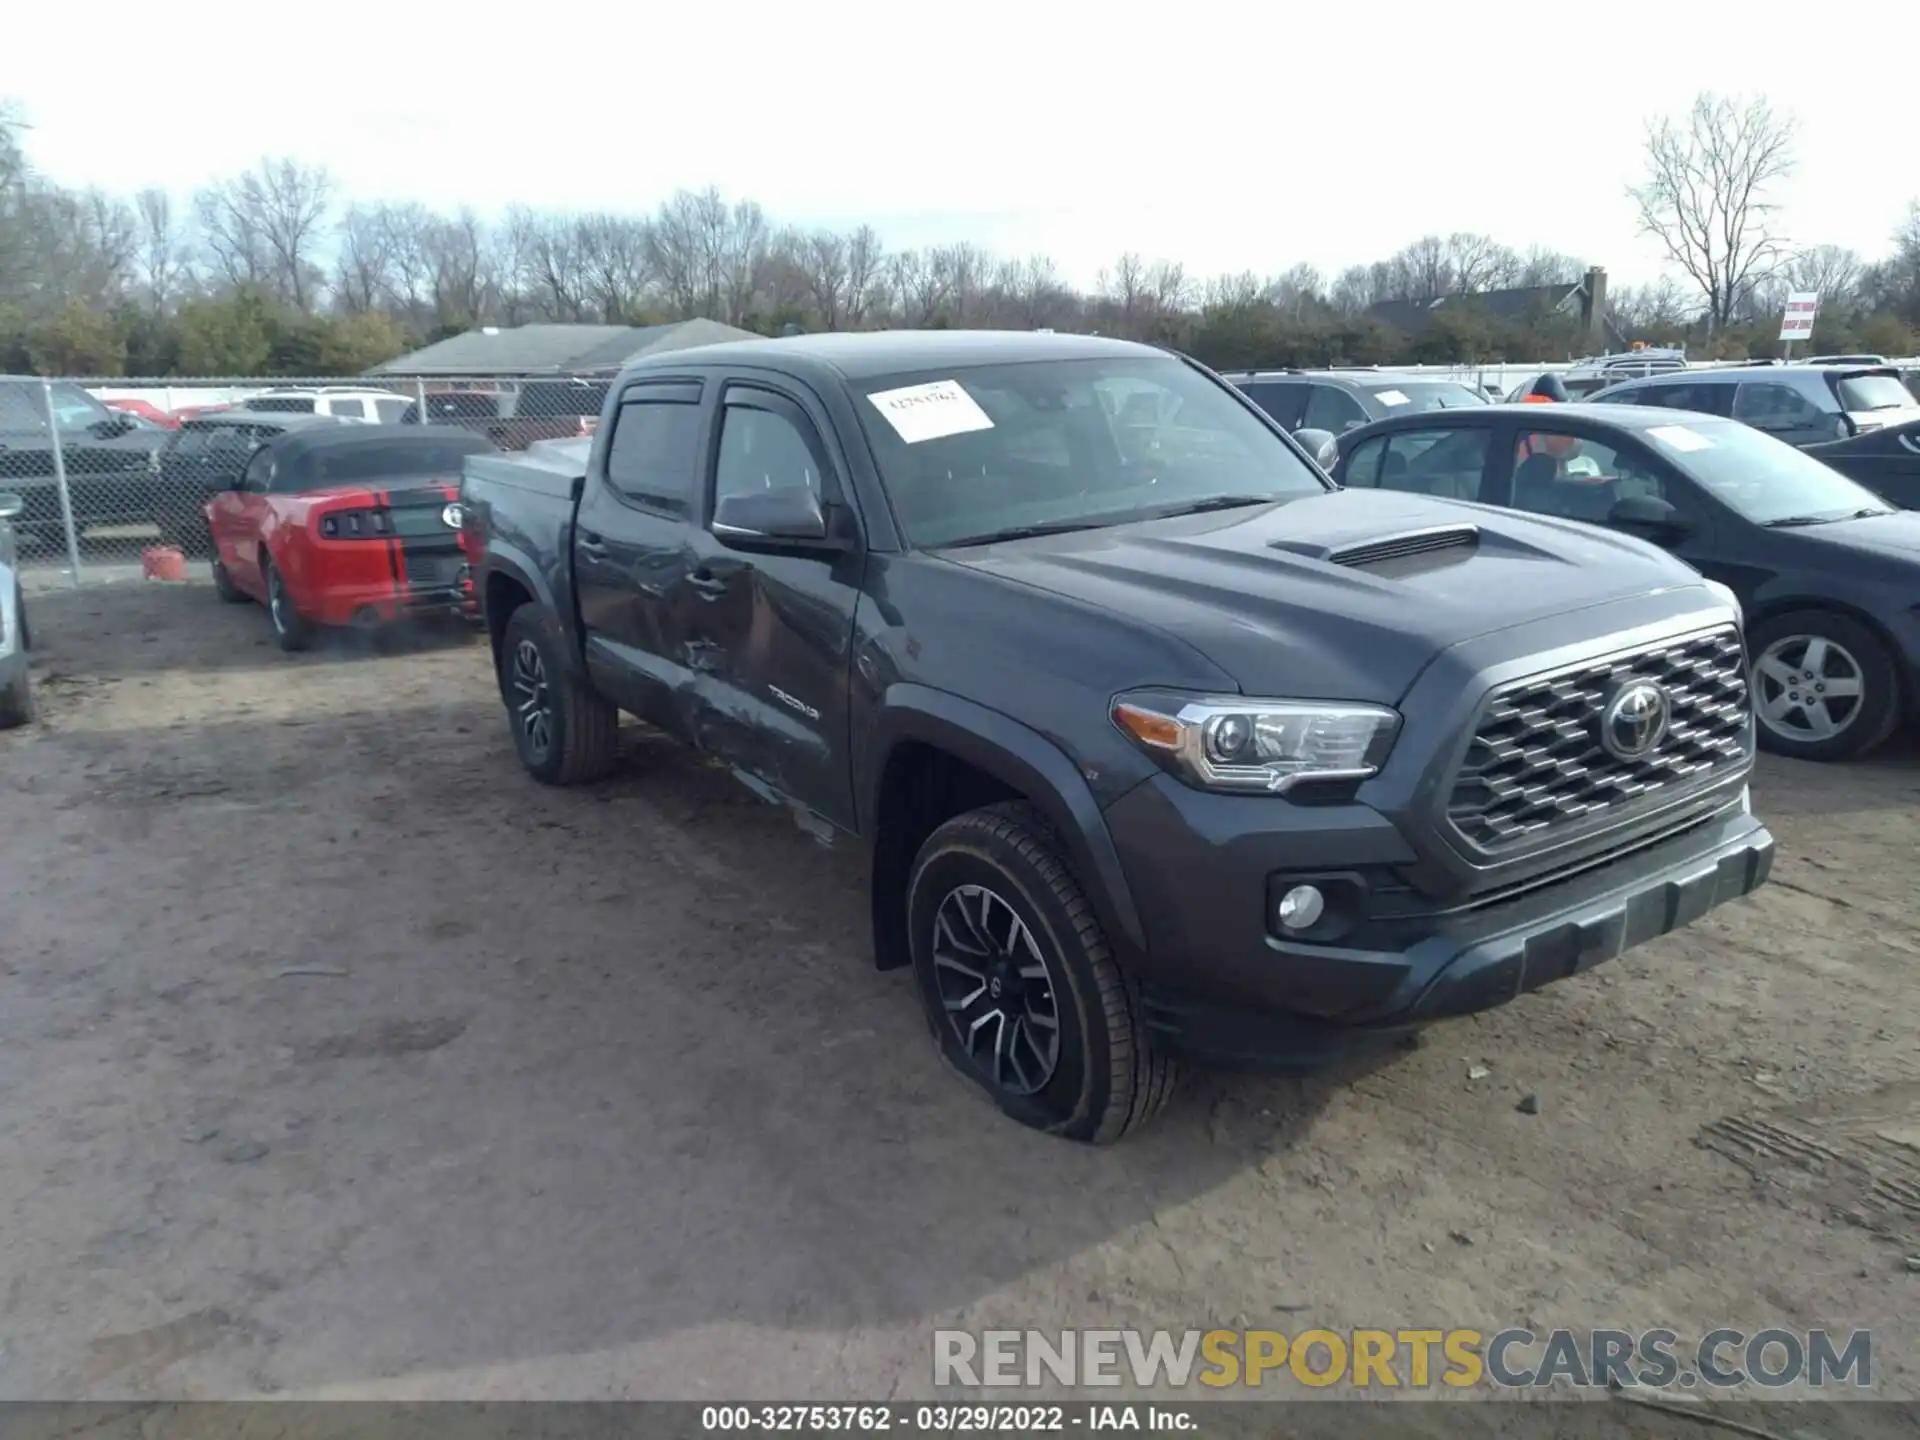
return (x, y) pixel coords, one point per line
(347, 525)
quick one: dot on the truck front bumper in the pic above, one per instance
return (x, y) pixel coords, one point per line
(1220, 984)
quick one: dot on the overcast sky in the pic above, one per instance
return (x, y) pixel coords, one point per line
(1228, 137)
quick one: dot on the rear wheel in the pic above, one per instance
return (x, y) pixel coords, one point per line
(565, 733)
(1825, 686)
(289, 629)
(1019, 985)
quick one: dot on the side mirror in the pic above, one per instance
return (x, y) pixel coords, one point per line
(1321, 445)
(11, 505)
(786, 519)
(1647, 516)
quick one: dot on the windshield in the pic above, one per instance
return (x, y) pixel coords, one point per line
(1412, 396)
(1764, 479)
(975, 452)
(1872, 392)
(394, 461)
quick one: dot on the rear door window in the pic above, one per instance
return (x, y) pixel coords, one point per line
(347, 409)
(1445, 463)
(1679, 395)
(1280, 399)
(655, 450)
(1784, 412)
(1332, 410)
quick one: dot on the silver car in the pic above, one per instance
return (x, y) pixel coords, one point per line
(16, 693)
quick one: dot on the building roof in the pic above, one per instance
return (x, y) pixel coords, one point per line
(556, 349)
(1414, 316)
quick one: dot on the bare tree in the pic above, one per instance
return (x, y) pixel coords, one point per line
(1706, 195)
(265, 227)
(1540, 267)
(1832, 271)
(1477, 263)
(162, 260)
(1353, 291)
(866, 259)
(615, 258)
(1297, 292)
(822, 261)
(364, 279)
(922, 283)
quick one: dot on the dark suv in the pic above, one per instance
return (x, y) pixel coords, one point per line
(1800, 404)
(1336, 401)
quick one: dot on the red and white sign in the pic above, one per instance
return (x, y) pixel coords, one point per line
(1802, 306)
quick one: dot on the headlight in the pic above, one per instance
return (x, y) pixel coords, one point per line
(1257, 746)
(1715, 588)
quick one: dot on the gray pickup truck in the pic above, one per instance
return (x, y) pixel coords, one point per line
(1162, 745)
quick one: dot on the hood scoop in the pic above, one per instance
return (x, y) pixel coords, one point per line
(1380, 550)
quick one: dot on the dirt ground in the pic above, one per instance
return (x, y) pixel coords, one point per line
(596, 1093)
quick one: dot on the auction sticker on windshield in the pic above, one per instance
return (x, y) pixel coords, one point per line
(1680, 438)
(931, 411)
(1390, 397)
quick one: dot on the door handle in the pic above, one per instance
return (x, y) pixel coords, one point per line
(710, 585)
(592, 545)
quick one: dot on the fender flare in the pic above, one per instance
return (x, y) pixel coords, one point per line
(516, 565)
(1023, 759)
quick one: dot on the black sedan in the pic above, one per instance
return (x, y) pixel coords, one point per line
(1827, 572)
(1886, 461)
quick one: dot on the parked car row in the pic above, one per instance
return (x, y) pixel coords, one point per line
(128, 463)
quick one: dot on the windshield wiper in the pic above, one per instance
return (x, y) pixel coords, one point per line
(1788, 522)
(1210, 502)
(1027, 532)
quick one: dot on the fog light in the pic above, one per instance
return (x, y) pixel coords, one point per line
(1300, 908)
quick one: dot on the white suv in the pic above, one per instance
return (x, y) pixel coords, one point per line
(342, 402)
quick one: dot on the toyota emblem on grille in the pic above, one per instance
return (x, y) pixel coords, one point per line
(1635, 720)
(453, 517)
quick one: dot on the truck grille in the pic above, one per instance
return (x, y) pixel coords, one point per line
(1537, 765)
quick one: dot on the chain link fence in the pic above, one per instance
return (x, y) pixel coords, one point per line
(113, 473)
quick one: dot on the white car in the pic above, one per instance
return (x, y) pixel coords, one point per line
(342, 402)
(16, 687)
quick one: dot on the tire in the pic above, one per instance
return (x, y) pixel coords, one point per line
(978, 872)
(224, 587)
(289, 629)
(564, 732)
(16, 701)
(20, 609)
(1827, 650)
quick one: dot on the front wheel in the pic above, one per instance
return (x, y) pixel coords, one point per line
(565, 733)
(1020, 988)
(289, 629)
(1825, 686)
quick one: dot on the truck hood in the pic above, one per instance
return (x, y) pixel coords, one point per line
(1257, 593)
